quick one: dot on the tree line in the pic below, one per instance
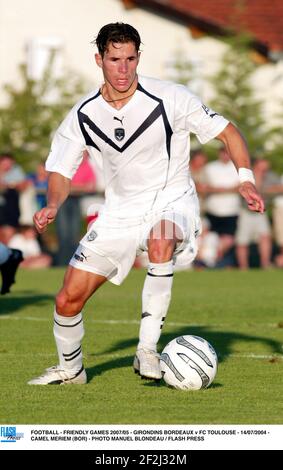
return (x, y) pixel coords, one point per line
(34, 111)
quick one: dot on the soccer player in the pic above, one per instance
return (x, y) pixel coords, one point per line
(140, 126)
(9, 262)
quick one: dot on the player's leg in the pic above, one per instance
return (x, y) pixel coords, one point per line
(277, 218)
(243, 238)
(68, 320)
(156, 297)
(265, 250)
(242, 255)
(78, 287)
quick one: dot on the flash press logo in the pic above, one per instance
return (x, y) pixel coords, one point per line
(10, 434)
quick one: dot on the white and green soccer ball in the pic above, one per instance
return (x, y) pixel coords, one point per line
(188, 363)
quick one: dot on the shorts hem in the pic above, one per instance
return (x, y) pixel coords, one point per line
(87, 268)
(114, 279)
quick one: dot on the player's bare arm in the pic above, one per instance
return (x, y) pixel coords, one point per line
(58, 191)
(238, 151)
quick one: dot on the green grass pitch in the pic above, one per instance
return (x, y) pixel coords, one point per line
(239, 313)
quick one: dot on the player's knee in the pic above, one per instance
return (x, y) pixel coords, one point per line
(160, 251)
(68, 305)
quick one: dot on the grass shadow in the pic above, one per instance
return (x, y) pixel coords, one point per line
(16, 302)
(222, 341)
(99, 369)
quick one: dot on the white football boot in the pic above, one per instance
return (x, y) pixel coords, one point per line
(58, 376)
(147, 364)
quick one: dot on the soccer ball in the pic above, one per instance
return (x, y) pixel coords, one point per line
(188, 363)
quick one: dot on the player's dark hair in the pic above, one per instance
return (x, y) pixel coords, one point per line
(114, 33)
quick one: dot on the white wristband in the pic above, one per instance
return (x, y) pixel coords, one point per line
(245, 174)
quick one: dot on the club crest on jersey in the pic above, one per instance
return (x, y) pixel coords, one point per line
(119, 133)
(91, 236)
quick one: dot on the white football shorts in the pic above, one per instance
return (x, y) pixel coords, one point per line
(117, 241)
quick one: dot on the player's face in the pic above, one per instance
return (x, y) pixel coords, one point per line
(119, 65)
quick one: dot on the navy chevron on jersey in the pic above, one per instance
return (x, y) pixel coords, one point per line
(144, 146)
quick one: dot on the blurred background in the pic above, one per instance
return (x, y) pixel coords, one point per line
(229, 52)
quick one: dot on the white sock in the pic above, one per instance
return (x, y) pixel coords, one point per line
(68, 333)
(156, 298)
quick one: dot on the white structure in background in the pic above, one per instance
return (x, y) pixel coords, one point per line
(43, 53)
(69, 26)
(39, 54)
(187, 69)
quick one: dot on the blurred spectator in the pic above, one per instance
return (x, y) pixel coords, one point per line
(40, 181)
(9, 263)
(12, 180)
(254, 227)
(272, 187)
(277, 218)
(208, 246)
(69, 218)
(222, 203)
(11, 173)
(27, 203)
(26, 241)
(197, 165)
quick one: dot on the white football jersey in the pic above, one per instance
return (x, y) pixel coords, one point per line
(144, 146)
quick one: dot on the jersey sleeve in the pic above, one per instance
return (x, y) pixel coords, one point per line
(67, 147)
(197, 118)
